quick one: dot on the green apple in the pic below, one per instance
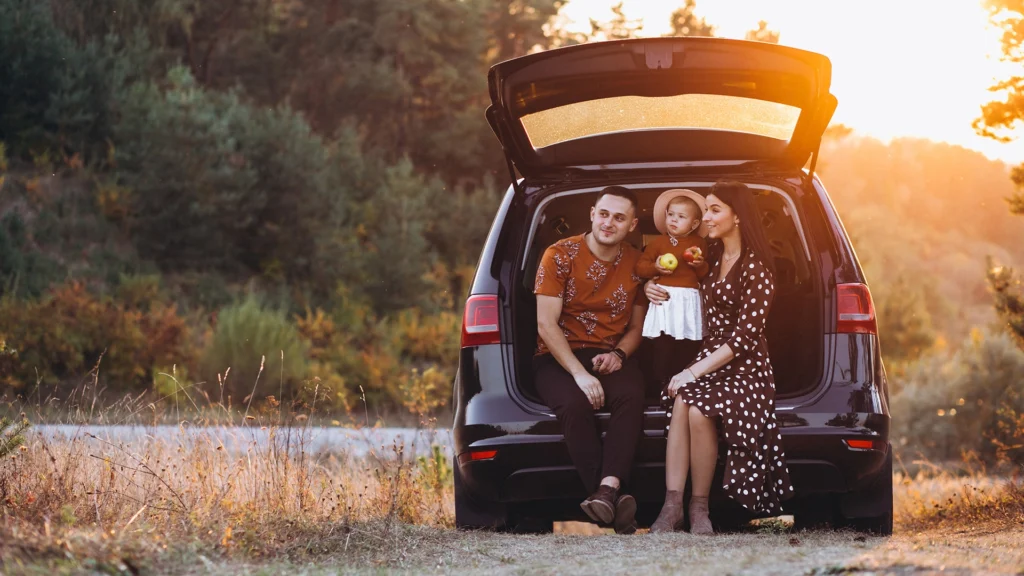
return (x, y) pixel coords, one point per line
(668, 261)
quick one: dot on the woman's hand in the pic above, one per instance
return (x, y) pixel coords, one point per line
(656, 294)
(678, 381)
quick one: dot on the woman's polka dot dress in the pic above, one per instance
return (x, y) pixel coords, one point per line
(741, 394)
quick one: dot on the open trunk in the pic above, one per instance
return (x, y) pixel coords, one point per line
(660, 100)
(794, 330)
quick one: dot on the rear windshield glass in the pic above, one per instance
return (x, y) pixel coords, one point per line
(624, 113)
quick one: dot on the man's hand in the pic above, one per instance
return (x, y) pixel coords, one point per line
(607, 363)
(662, 271)
(591, 386)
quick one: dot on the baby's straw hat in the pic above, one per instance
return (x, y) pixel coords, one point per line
(661, 208)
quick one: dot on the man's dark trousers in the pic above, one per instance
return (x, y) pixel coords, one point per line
(623, 398)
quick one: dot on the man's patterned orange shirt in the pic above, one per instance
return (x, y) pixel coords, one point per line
(597, 296)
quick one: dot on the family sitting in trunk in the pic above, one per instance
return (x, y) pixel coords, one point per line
(705, 323)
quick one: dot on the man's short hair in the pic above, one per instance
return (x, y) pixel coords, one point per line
(621, 192)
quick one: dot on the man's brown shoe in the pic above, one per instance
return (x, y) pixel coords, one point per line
(625, 515)
(600, 506)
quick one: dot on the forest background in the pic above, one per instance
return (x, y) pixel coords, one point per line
(299, 190)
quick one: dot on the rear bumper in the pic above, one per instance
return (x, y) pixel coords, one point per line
(537, 467)
(531, 463)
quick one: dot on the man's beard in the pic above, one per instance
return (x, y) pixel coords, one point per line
(613, 241)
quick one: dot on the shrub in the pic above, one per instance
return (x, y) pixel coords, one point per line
(65, 334)
(249, 338)
(23, 270)
(139, 291)
(405, 360)
(948, 406)
(426, 337)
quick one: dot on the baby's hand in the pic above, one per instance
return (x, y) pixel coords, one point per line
(662, 271)
(693, 256)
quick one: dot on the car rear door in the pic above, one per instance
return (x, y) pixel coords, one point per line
(660, 100)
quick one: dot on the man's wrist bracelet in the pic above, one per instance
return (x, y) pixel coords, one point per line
(620, 353)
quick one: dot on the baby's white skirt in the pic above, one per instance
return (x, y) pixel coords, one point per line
(680, 317)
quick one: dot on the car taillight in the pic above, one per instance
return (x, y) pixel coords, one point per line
(480, 322)
(475, 455)
(856, 312)
(862, 444)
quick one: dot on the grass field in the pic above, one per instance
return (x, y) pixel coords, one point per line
(166, 505)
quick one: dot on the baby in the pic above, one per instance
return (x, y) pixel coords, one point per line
(676, 326)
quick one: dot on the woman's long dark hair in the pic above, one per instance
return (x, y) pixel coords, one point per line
(741, 200)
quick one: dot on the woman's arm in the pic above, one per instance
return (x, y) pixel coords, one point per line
(656, 294)
(750, 323)
(720, 357)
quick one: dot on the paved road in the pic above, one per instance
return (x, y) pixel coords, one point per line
(355, 442)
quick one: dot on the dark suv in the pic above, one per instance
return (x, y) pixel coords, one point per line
(654, 114)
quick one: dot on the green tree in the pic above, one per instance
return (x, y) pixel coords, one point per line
(685, 21)
(397, 255)
(48, 88)
(517, 27)
(998, 120)
(763, 34)
(218, 184)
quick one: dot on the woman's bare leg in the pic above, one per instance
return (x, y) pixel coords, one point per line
(704, 458)
(677, 463)
(703, 450)
(677, 453)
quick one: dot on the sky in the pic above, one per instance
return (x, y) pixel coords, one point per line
(918, 68)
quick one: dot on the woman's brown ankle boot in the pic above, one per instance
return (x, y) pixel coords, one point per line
(671, 517)
(699, 521)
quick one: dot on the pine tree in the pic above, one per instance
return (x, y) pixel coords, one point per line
(11, 437)
(1009, 299)
(998, 120)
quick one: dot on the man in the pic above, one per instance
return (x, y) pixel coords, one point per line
(589, 323)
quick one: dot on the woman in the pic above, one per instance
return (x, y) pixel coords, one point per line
(729, 390)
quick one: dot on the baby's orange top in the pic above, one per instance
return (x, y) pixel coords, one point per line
(684, 276)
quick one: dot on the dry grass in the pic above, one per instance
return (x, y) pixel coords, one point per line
(190, 503)
(85, 500)
(958, 496)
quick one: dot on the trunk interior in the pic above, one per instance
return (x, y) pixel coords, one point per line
(794, 330)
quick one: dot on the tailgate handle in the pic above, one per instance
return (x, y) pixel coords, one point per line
(659, 55)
